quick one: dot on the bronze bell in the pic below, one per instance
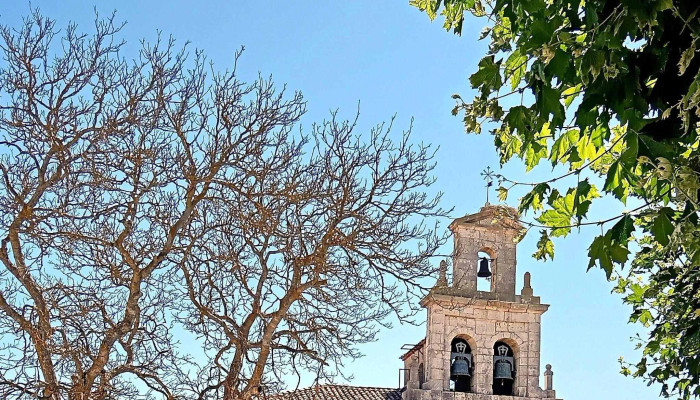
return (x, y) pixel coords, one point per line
(483, 268)
(503, 370)
(460, 367)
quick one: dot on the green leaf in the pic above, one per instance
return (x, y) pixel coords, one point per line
(549, 102)
(560, 64)
(502, 193)
(662, 5)
(622, 231)
(654, 149)
(585, 193)
(645, 318)
(598, 253)
(559, 216)
(430, 7)
(593, 62)
(519, 119)
(686, 58)
(562, 146)
(484, 32)
(488, 77)
(570, 94)
(545, 247)
(613, 180)
(599, 134)
(618, 253)
(454, 14)
(586, 150)
(541, 31)
(508, 144)
(662, 227)
(534, 153)
(516, 65)
(621, 174)
(604, 251)
(637, 295)
(533, 199)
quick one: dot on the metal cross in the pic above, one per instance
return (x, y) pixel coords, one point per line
(488, 177)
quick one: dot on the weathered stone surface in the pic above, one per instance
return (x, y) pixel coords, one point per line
(416, 394)
(459, 310)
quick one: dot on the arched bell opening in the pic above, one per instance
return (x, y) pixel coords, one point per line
(461, 365)
(503, 369)
(486, 261)
(421, 375)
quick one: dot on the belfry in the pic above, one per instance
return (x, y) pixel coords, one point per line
(482, 339)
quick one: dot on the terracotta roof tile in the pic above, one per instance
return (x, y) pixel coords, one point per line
(340, 392)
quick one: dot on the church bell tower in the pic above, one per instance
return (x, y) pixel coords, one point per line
(483, 339)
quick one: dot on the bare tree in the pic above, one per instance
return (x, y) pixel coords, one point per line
(293, 263)
(137, 195)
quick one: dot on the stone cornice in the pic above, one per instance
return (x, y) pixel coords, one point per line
(498, 216)
(447, 301)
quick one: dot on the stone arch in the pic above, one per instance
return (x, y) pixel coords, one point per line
(421, 375)
(488, 250)
(520, 367)
(446, 344)
(461, 383)
(512, 342)
(460, 334)
(488, 253)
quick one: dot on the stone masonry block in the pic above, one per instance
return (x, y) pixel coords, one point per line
(525, 346)
(502, 327)
(517, 316)
(495, 315)
(533, 370)
(465, 312)
(456, 396)
(517, 327)
(533, 381)
(485, 328)
(534, 356)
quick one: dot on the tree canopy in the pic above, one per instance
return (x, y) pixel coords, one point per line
(147, 194)
(610, 91)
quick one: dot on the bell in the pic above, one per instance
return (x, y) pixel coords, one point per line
(483, 268)
(460, 367)
(503, 370)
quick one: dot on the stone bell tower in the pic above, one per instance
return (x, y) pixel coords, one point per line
(482, 340)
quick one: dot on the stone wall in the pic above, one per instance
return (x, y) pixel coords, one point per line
(415, 394)
(498, 241)
(412, 363)
(482, 323)
(481, 318)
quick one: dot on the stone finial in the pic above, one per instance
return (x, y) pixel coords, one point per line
(527, 289)
(442, 279)
(548, 378)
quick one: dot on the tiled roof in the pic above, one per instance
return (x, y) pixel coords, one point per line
(413, 349)
(339, 392)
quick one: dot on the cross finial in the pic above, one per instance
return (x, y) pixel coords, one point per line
(488, 177)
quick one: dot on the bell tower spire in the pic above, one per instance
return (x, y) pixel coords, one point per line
(488, 176)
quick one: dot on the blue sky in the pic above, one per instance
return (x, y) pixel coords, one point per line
(390, 58)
